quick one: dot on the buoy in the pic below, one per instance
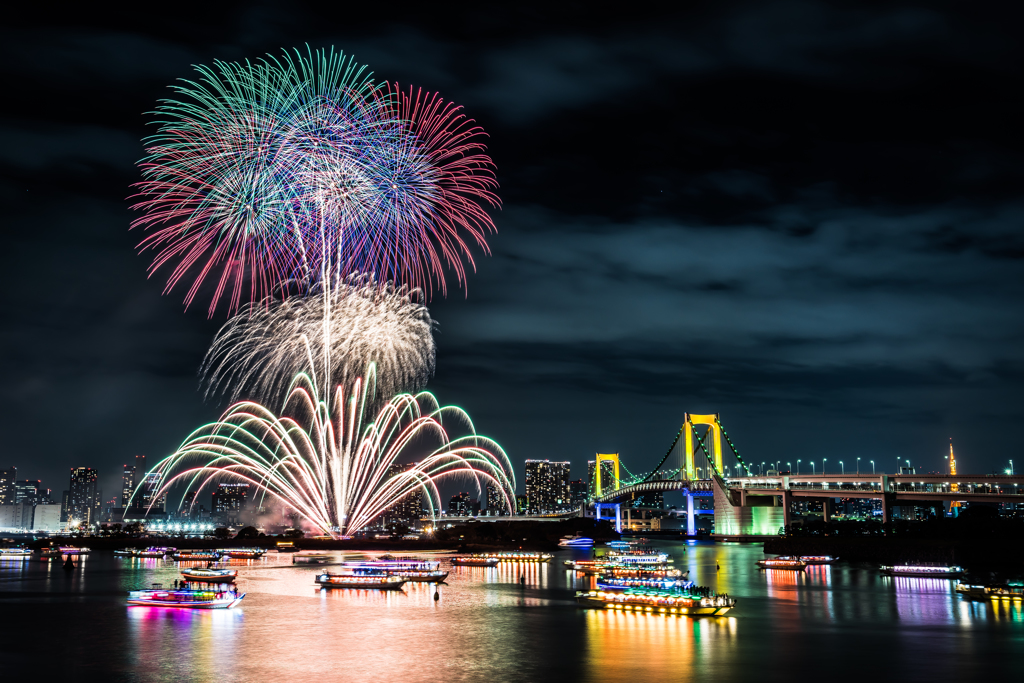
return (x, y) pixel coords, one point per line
(437, 595)
(68, 564)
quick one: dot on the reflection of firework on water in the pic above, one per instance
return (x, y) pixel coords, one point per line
(298, 168)
(336, 333)
(328, 464)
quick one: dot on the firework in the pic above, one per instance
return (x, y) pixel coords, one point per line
(322, 459)
(335, 333)
(293, 170)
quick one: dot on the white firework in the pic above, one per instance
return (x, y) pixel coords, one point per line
(333, 334)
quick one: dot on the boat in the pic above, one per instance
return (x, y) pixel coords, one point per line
(818, 559)
(124, 552)
(475, 561)
(187, 598)
(590, 566)
(690, 602)
(210, 575)
(922, 570)
(620, 583)
(638, 557)
(520, 556)
(576, 541)
(50, 551)
(243, 553)
(311, 558)
(15, 553)
(195, 555)
(647, 571)
(622, 544)
(1013, 592)
(783, 562)
(286, 547)
(155, 551)
(408, 569)
(360, 578)
(72, 550)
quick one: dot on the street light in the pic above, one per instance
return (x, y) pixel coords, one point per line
(1011, 467)
(872, 467)
(762, 469)
(798, 465)
(823, 461)
(858, 465)
(789, 466)
(813, 471)
(843, 467)
(908, 466)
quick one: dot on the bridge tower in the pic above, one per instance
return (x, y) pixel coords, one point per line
(716, 441)
(614, 459)
(954, 507)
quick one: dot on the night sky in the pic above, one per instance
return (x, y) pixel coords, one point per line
(806, 218)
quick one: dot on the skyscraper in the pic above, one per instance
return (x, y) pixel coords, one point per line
(577, 493)
(7, 478)
(83, 496)
(410, 507)
(496, 504)
(547, 485)
(127, 484)
(27, 491)
(148, 500)
(463, 505)
(230, 497)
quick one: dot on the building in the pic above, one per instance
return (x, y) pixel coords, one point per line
(522, 504)
(578, 493)
(127, 484)
(607, 476)
(84, 497)
(28, 517)
(26, 490)
(463, 505)
(410, 507)
(229, 502)
(547, 486)
(147, 498)
(496, 503)
(7, 479)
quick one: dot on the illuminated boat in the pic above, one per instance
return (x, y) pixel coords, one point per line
(576, 541)
(125, 552)
(408, 569)
(647, 571)
(590, 566)
(51, 551)
(922, 570)
(616, 583)
(154, 551)
(72, 550)
(657, 602)
(15, 553)
(638, 557)
(1012, 592)
(520, 556)
(475, 561)
(622, 544)
(311, 558)
(286, 547)
(818, 559)
(191, 599)
(784, 562)
(195, 555)
(209, 575)
(360, 578)
(243, 553)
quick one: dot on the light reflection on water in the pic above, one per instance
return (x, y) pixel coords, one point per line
(488, 625)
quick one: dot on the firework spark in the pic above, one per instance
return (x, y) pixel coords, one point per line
(336, 333)
(319, 458)
(297, 169)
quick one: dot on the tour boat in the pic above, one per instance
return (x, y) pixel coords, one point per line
(657, 602)
(622, 544)
(360, 578)
(648, 571)
(475, 561)
(71, 550)
(125, 552)
(922, 570)
(638, 557)
(1013, 592)
(818, 559)
(784, 562)
(191, 599)
(15, 553)
(521, 556)
(209, 575)
(154, 552)
(243, 553)
(576, 541)
(616, 583)
(408, 569)
(311, 558)
(590, 566)
(286, 547)
(195, 555)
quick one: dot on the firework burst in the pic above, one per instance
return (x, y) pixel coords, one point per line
(335, 333)
(321, 458)
(293, 170)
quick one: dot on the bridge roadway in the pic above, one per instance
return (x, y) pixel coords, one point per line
(892, 489)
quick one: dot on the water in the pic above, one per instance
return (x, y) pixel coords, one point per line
(830, 622)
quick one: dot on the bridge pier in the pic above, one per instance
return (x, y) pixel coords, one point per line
(691, 523)
(618, 518)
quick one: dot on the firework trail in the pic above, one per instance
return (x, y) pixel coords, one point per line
(319, 458)
(335, 334)
(292, 170)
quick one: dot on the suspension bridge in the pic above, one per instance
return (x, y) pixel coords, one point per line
(756, 504)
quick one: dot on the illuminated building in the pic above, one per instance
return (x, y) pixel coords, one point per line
(7, 478)
(408, 508)
(127, 484)
(547, 485)
(84, 497)
(146, 497)
(28, 517)
(577, 493)
(230, 498)
(522, 504)
(607, 476)
(496, 504)
(26, 491)
(463, 505)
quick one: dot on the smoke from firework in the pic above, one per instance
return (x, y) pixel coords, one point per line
(332, 334)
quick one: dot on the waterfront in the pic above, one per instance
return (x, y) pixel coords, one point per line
(840, 621)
